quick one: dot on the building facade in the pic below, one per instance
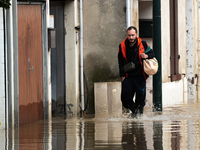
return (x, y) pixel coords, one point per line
(48, 79)
(24, 63)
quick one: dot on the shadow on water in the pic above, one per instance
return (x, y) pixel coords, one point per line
(175, 128)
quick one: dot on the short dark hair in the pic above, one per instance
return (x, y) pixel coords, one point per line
(132, 27)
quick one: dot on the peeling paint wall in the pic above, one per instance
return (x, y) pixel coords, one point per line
(182, 50)
(198, 48)
(190, 48)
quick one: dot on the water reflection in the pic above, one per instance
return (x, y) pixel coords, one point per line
(176, 128)
(133, 136)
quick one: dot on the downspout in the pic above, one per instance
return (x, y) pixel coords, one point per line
(15, 64)
(157, 78)
(9, 44)
(81, 57)
(6, 102)
(128, 14)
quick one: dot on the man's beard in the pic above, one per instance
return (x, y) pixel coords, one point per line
(132, 41)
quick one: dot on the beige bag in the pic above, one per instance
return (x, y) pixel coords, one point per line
(150, 66)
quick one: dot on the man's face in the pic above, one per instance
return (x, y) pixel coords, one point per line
(132, 36)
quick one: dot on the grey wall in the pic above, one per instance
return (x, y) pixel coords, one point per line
(104, 23)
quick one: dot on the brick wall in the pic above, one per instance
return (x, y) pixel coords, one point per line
(2, 74)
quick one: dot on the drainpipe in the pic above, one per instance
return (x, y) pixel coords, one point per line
(128, 13)
(81, 56)
(15, 64)
(6, 102)
(157, 78)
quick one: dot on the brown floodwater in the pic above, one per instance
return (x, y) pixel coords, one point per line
(176, 128)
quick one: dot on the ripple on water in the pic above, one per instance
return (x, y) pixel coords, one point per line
(177, 112)
(176, 127)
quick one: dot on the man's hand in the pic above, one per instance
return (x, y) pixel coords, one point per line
(123, 79)
(143, 55)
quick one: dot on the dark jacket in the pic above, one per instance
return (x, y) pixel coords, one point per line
(128, 54)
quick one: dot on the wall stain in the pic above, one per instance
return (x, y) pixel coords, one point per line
(98, 71)
(58, 106)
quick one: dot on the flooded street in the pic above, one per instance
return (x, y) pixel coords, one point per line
(175, 128)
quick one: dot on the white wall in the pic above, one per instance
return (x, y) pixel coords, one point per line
(2, 77)
(173, 92)
(71, 57)
(165, 35)
(190, 47)
(198, 48)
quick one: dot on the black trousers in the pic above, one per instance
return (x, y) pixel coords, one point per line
(130, 87)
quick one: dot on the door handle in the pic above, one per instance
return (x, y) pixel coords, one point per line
(29, 69)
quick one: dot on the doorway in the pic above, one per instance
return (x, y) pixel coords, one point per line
(58, 60)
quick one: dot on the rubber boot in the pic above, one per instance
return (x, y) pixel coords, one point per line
(140, 110)
(133, 110)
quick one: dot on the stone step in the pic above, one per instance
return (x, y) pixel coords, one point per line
(107, 98)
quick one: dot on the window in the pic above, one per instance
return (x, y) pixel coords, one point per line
(145, 28)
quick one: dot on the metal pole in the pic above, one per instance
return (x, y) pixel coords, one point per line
(5, 74)
(157, 78)
(81, 55)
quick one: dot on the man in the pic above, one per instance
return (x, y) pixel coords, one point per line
(133, 82)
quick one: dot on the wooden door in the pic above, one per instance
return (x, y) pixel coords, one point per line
(30, 63)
